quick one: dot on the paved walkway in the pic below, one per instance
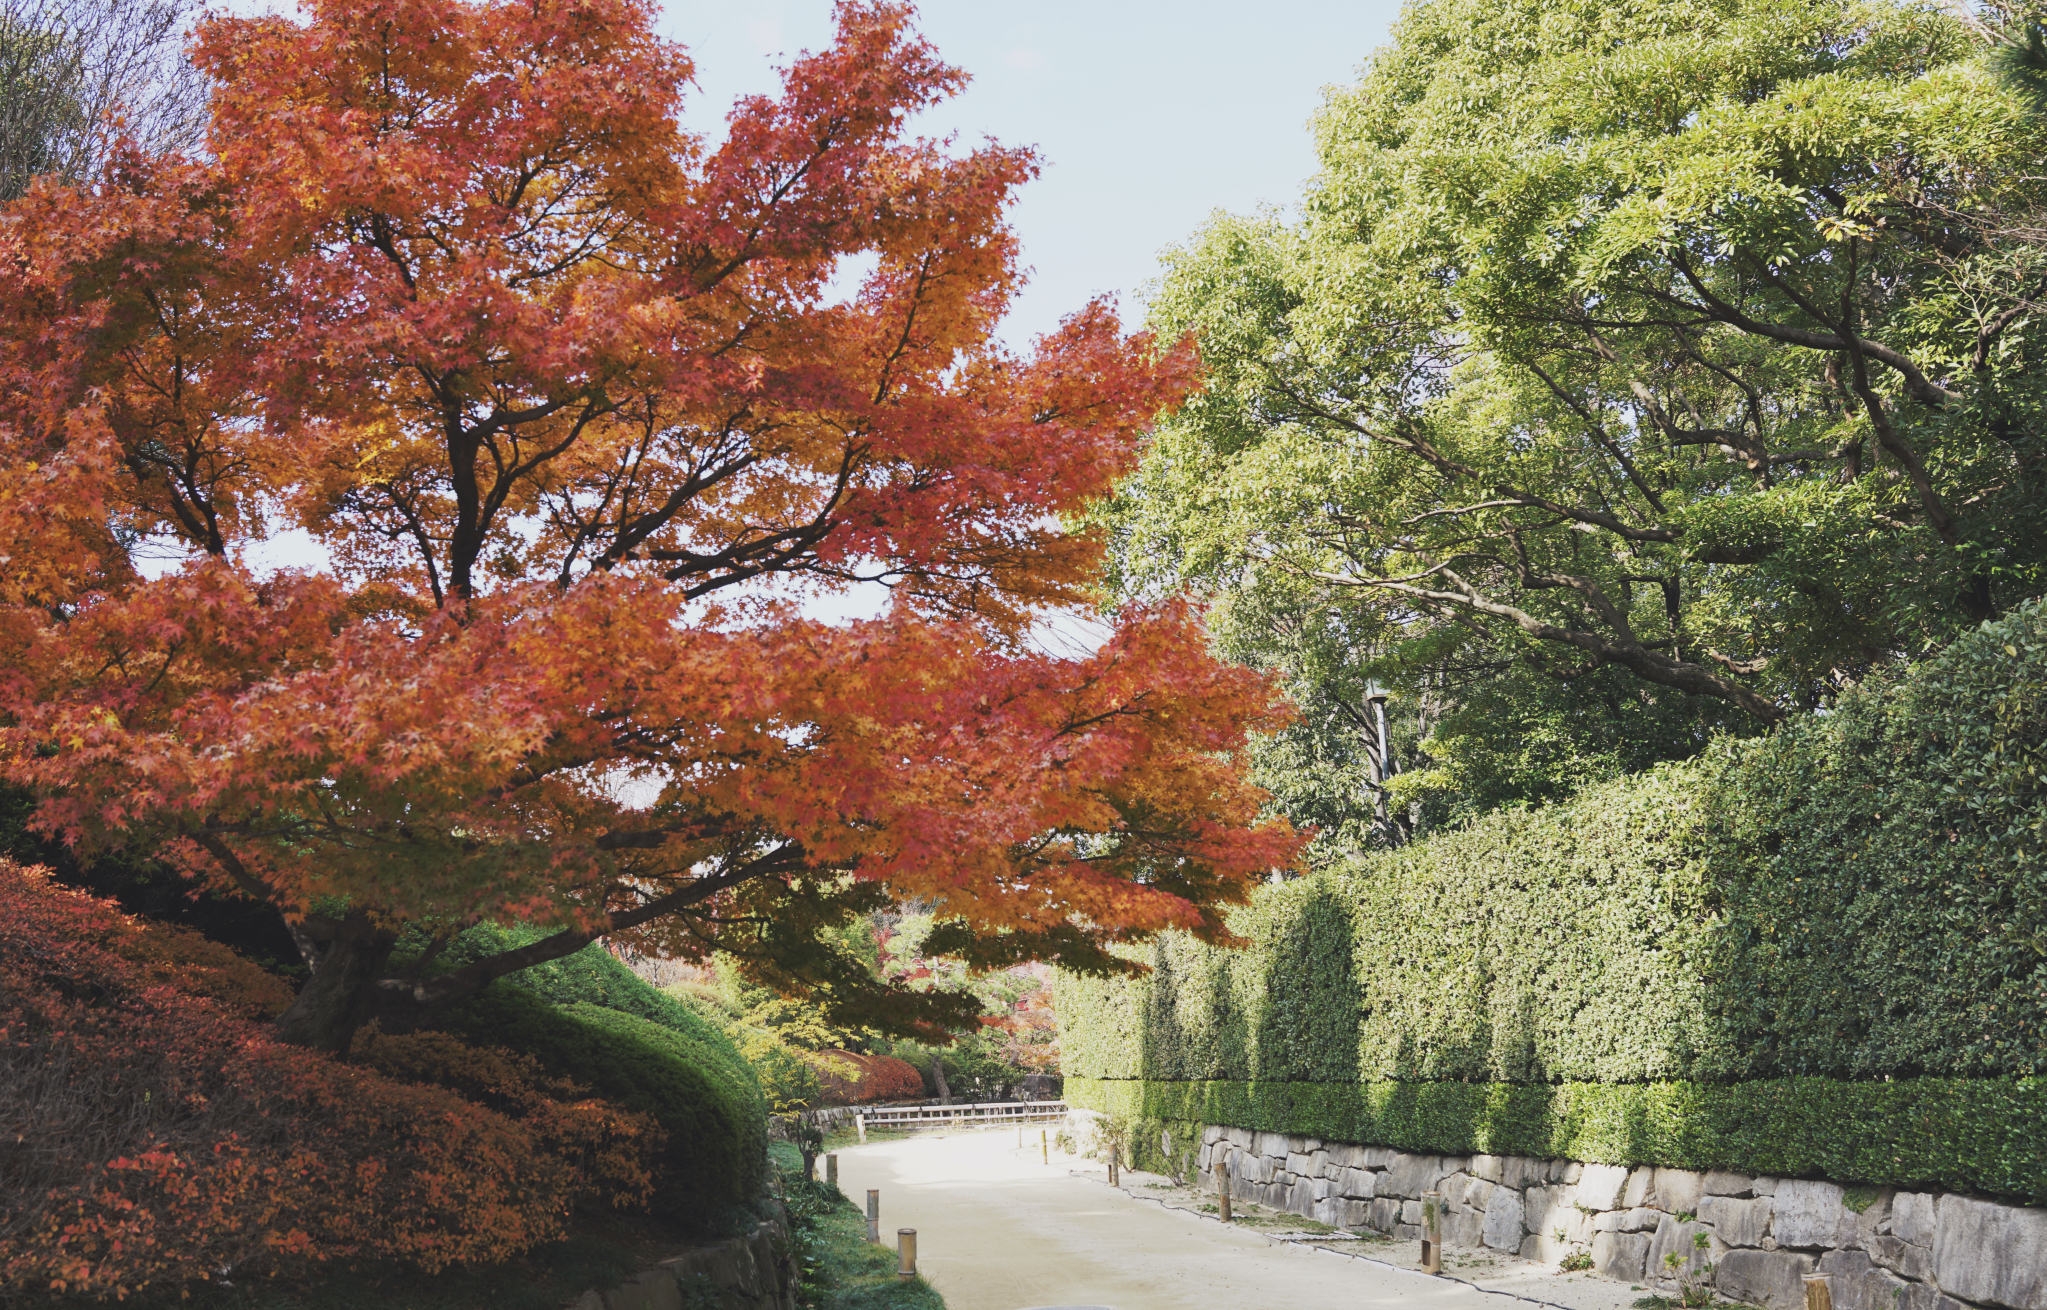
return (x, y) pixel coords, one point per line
(997, 1229)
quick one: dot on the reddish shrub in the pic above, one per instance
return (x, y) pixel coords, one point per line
(149, 1136)
(849, 1078)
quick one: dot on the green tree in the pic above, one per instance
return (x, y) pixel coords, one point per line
(1644, 369)
(78, 75)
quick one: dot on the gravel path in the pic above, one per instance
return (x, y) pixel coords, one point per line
(1000, 1230)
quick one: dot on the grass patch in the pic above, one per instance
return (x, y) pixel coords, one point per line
(837, 1267)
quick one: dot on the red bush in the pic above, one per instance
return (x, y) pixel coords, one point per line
(849, 1078)
(150, 1136)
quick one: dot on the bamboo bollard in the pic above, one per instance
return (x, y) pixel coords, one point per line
(1819, 1292)
(1045, 1145)
(906, 1253)
(831, 1169)
(1222, 1188)
(860, 1122)
(1432, 1232)
(1112, 1165)
(874, 1215)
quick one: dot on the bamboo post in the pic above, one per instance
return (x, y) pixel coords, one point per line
(1432, 1232)
(1222, 1187)
(1045, 1145)
(860, 1122)
(874, 1215)
(831, 1169)
(906, 1253)
(1819, 1292)
(1112, 1164)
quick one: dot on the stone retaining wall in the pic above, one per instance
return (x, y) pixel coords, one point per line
(1886, 1249)
(740, 1273)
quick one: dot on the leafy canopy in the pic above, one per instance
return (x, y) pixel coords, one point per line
(1680, 351)
(566, 396)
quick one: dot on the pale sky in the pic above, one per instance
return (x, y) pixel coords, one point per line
(1149, 116)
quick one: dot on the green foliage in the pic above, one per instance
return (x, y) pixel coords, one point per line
(1636, 371)
(587, 1017)
(1959, 1134)
(1767, 930)
(838, 1268)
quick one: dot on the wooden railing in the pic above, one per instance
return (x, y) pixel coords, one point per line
(983, 1115)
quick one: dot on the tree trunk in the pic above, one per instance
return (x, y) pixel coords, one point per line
(341, 995)
(938, 1076)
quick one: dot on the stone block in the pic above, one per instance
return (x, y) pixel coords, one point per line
(1356, 1182)
(1900, 1256)
(1639, 1219)
(1773, 1279)
(1544, 1248)
(1241, 1138)
(1322, 1188)
(1271, 1145)
(1343, 1155)
(1411, 1175)
(1301, 1165)
(1407, 1233)
(1211, 1135)
(1681, 1239)
(1380, 1157)
(1620, 1255)
(655, 1289)
(1609, 1222)
(1723, 1182)
(1301, 1198)
(1679, 1191)
(1385, 1214)
(1318, 1162)
(1486, 1166)
(1914, 1219)
(1987, 1252)
(1329, 1212)
(1411, 1212)
(1737, 1222)
(1477, 1191)
(1764, 1185)
(1569, 1171)
(1452, 1189)
(1641, 1183)
(1857, 1284)
(1810, 1215)
(1873, 1219)
(1601, 1185)
(1543, 1208)
(1503, 1229)
(1465, 1231)
(1520, 1171)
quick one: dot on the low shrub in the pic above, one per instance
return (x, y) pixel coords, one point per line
(850, 1078)
(713, 1161)
(156, 1137)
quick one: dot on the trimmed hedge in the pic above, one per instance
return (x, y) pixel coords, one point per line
(1861, 896)
(589, 1018)
(1955, 1134)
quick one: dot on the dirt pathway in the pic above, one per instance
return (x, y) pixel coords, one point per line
(1000, 1230)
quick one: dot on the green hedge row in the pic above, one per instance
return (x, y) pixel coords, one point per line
(1862, 895)
(589, 1018)
(1956, 1134)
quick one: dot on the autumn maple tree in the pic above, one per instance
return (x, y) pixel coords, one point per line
(567, 397)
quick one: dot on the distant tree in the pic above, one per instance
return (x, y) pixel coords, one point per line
(76, 76)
